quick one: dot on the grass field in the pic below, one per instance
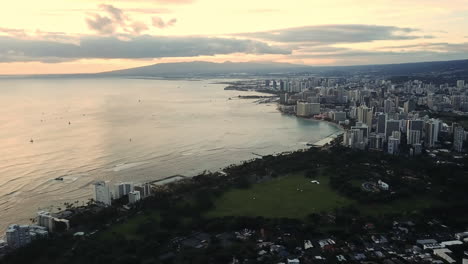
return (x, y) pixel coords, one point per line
(281, 198)
(292, 196)
(128, 229)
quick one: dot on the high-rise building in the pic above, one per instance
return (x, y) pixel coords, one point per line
(431, 132)
(144, 189)
(376, 141)
(365, 115)
(103, 193)
(134, 197)
(307, 109)
(458, 138)
(388, 106)
(282, 87)
(381, 120)
(339, 116)
(413, 137)
(393, 145)
(409, 106)
(122, 189)
(415, 125)
(356, 139)
(390, 126)
(460, 83)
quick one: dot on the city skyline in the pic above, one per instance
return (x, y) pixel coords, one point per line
(94, 36)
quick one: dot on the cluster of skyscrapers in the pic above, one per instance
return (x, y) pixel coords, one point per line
(378, 114)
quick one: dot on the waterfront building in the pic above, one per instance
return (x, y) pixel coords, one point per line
(144, 189)
(103, 193)
(306, 109)
(20, 235)
(122, 189)
(339, 116)
(46, 220)
(133, 197)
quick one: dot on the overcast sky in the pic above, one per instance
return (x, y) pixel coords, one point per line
(73, 36)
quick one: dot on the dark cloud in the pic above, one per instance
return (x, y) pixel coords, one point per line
(443, 46)
(141, 47)
(328, 34)
(116, 13)
(113, 21)
(444, 51)
(101, 24)
(138, 27)
(159, 22)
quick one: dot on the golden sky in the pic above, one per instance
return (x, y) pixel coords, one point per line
(74, 36)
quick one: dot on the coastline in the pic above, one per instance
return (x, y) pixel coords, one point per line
(162, 181)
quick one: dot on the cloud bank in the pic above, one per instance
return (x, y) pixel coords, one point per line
(139, 47)
(326, 34)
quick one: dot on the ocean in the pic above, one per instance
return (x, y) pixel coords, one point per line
(120, 129)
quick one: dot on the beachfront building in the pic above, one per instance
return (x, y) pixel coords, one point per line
(144, 189)
(103, 193)
(133, 197)
(20, 235)
(122, 189)
(305, 109)
(47, 220)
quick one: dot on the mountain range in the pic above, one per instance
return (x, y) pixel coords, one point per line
(456, 69)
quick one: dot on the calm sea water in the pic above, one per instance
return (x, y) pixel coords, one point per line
(126, 130)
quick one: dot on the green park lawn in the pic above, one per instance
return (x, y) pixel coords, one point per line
(292, 196)
(280, 198)
(128, 229)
